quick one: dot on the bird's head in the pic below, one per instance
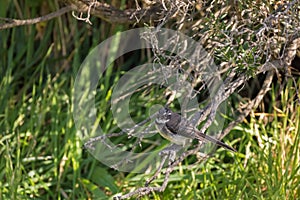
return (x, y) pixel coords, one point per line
(164, 115)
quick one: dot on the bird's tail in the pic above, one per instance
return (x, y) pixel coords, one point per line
(202, 136)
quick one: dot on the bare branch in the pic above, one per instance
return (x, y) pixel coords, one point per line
(10, 23)
(251, 105)
(111, 14)
(95, 8)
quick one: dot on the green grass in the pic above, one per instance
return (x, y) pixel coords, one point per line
(42, 157)
(265, 167)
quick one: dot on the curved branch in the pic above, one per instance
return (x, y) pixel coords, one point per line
(10, 23)
(98, 9)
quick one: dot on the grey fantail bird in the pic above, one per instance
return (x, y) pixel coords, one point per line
(180, 131)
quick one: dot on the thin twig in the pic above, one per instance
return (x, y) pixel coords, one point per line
(87, 18)
(157, 171)
(251, 105)
(146, 190)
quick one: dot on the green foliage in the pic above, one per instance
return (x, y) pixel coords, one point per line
(42, 158)
(265, 167)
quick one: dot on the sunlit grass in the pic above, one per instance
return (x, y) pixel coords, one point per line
(266, 165)
(42, 157)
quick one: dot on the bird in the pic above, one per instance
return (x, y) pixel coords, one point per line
(178, 130)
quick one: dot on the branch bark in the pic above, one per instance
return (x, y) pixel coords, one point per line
(102, 10)
(10, 23)
(114, 15)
